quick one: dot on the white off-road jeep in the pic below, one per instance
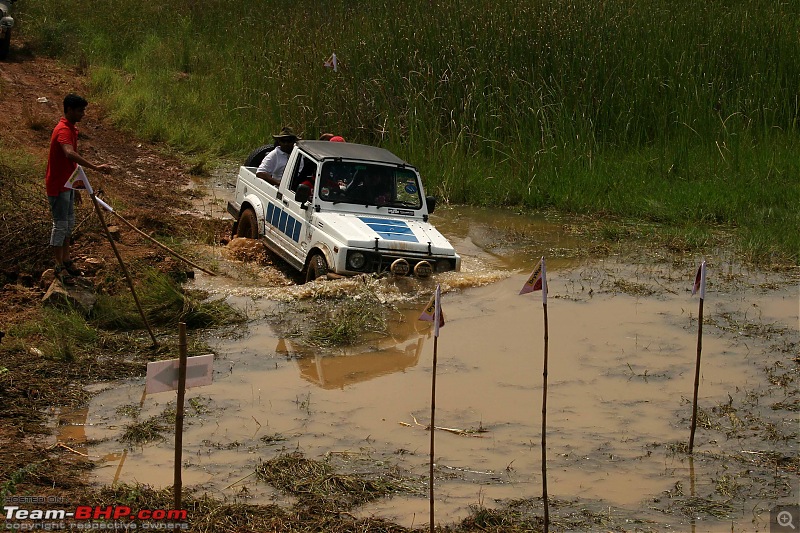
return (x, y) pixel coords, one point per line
(345, 209)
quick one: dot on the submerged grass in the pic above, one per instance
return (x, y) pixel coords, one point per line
(307, 479)
(332, 317)
(680, 114)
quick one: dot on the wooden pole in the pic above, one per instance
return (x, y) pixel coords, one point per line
(697, 374)
(544, 427)
(433, 429)
(173, 252)
(692, 491)
(99, 212)
(178, 486)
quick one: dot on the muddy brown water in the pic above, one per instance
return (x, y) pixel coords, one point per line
(622, 347)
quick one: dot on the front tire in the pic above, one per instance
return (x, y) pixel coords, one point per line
(247, 226)
(317, 267)
(5, 45)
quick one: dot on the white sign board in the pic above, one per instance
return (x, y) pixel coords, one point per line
(162, 376)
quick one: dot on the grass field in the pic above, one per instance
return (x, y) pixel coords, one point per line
(678, 113)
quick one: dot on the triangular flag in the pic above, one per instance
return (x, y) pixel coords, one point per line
(537, 281)
(78, 180)
(433, 311)
(700, 281)
(332, 62)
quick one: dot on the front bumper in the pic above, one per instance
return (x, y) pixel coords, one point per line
(381, 261)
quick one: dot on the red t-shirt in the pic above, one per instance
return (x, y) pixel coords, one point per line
(59, 168)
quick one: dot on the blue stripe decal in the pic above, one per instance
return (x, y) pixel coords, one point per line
(284, 222)
(393, 230)
(397, 237)
(276, 213)
(386, 228)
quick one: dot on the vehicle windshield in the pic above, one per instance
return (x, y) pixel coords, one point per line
(369, 184)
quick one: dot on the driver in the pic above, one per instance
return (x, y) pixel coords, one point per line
(373, 189)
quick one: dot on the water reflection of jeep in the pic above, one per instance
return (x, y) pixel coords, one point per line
(342, 367)
(6, 23)
(345, 209)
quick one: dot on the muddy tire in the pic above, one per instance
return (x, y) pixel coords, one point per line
(257, 156)
(5, 45)
(317, 267)
(247, 226)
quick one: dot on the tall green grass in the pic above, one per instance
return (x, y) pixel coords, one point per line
(678, 111)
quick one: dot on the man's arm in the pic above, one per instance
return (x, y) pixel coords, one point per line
(266, 168)
(74, 156)
(266, 176)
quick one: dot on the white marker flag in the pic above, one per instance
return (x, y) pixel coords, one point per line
(79, 181)
(537, 281)
(700, 281)
(332, 62)
(433, 311)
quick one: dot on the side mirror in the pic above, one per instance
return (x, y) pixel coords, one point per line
(303, 193)
(431, 201)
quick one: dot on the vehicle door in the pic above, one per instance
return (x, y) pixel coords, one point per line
(287, 218)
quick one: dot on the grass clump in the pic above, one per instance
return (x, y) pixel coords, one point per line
(316, 480)
(63, 335)
(165, 303)
(26, 222)
(152, 429)
(339, 313)
(346, 322)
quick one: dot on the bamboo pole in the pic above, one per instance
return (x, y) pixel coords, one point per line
(699, 285)
(154, 241)
(178, 485)
(99, 212)
(433, 431)
(544, 426)
(697, 375)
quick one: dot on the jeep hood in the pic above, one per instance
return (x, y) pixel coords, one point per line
(393, 233)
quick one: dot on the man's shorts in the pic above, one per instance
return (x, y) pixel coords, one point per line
(63, 209)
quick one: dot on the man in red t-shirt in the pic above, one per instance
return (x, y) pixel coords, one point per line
(61, 162)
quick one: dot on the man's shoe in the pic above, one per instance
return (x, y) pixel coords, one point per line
(64, 276)
(70, 267)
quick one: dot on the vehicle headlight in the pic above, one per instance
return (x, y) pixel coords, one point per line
(356, 261)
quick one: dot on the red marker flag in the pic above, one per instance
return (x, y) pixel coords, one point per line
(537, 281)
(433, 311)
(700, 281)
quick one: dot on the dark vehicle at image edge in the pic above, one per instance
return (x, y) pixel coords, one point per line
(6, 23)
